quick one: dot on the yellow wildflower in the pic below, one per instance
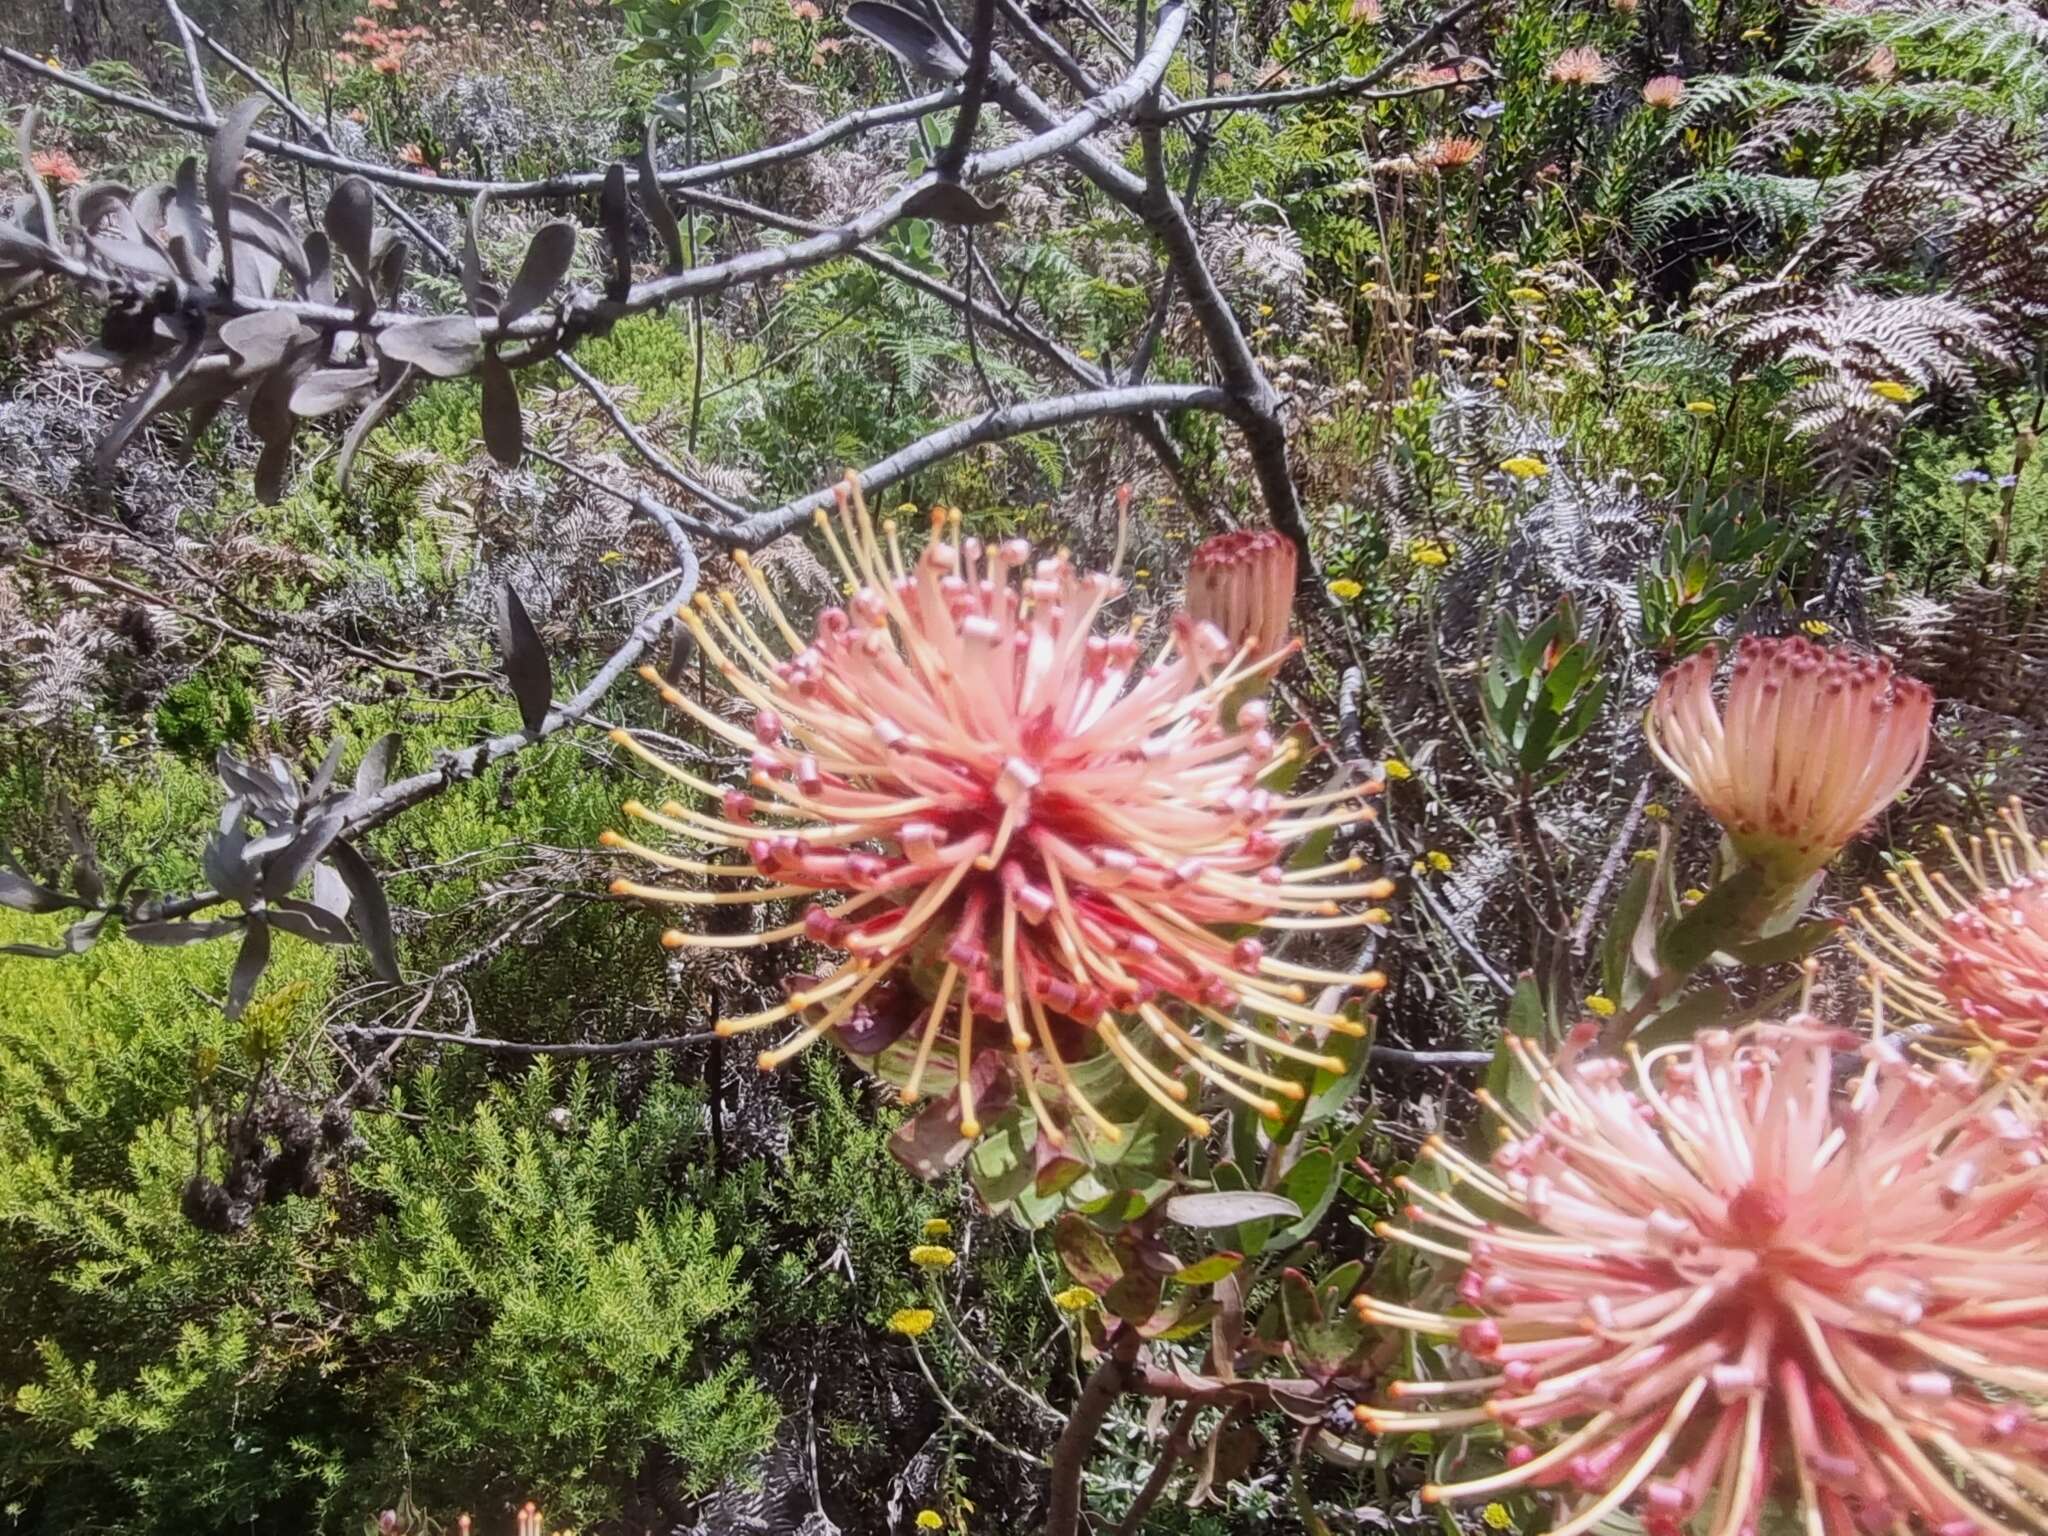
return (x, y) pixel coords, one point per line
(1428, 552)
(1818, 627)
(1344, 589)
(938, 1226)
(1526, 295)
(1600, 1004)
(1142, 572)
(1701, 407)
(1075, 1298)
(1691, 894)
(912, 1322)
(929, 1520)
(932, 1256)
(1892, 390)
(1753, 34)
(1525, 467)
(1496, 1515)
(1394, 768)
(1656, 811)
(1265, 310)
(1368, 288)
(1439, 861)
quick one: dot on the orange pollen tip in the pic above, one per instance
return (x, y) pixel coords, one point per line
(1368, 815)
(1373, 787)
(673, 938)
(1198, 1128)
(765, 1061)
(1331, 1064)
(906, 1096)
(1432, 1493)
(1377, 917)
(1364, 1415)
(618, 887)
(647, 675)
(970, 1129)
(609, 839)
(723, 1030)
(1292, 1091)
(1383, 1229)
(1379, 890)
(1373, 981)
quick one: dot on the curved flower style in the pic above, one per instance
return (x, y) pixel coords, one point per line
(989, 801)
(1243, 583)
(1811, 744)
(1975, 961)
(1734, 1281)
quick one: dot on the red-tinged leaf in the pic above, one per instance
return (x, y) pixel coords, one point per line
(1086, 1253)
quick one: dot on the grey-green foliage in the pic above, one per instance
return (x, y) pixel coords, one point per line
(561, 1309)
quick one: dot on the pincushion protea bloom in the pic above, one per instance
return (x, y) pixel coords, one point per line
(1733, 1280)
(1812, 743)
(1664, 92)
(1974, 960)
(986, 799)
(1450, 154)
(1243, 583)
(1581, 66)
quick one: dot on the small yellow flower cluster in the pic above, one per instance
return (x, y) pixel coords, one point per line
(912, 1322)
(1075, 1298)
(1344, 589)
(1525, 467)
(936, 1228)
(1428, 552)
(1600, 1005)
(932, 1256)
(1394, 768)
(930, 1520)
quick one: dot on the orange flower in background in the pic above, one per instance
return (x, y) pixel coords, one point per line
(1733, 1276)
(56, 166)
(1045, 846)
(1664, 92)
(1581, 66)
(1811, 743)
(1972, 958)
(1243, 583)
(1450, 154)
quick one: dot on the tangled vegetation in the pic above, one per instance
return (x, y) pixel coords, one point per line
(1378, 907)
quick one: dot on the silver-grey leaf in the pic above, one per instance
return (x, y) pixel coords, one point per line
(907, 36)
(445, 346)
(223, 166)
(249, 963)
(526, 662)
(504, 430)
(372, 916)
(547, 260)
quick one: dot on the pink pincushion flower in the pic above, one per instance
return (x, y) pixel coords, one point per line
(1243, 583)
(985, 796)
(1973, 960)
(1810, 745)
(1733, 1278)
(56, 166)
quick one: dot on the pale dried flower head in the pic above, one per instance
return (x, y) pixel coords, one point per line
(1811, 743)
(1581, 66)
(990, 800)
(1734, 1277)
